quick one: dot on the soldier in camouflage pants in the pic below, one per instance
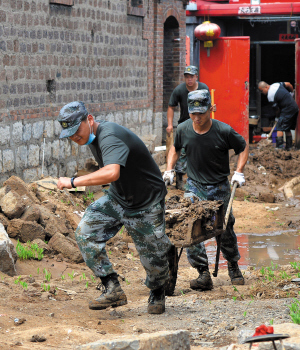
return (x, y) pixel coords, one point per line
(206, 142)
(197, 254)
(135, 199)
(105, 217)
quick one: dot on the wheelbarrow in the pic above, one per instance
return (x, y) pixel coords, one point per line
(196, 232)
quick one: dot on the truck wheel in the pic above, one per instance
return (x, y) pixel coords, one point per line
(173, 259)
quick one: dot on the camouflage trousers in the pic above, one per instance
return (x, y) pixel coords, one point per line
(180, 166)
(197, 254)
(105, 217)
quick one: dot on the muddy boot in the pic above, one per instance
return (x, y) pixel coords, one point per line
(235, 274)
(288, 143)
(279, 142)
(204, 281)
(113, 295)
(156, 302)
(179, 181)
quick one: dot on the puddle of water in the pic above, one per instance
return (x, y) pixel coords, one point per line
(258, 250)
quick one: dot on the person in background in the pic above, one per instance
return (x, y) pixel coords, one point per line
(281, 95)
(179, 96)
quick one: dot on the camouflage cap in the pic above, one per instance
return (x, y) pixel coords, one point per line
(70, 118)
(193, 70)
(199, 101)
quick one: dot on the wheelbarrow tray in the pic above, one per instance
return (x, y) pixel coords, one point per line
(194, 229)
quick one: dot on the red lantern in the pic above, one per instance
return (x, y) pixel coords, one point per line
(207, 32)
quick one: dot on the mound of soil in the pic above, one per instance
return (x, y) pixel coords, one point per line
(181, 214)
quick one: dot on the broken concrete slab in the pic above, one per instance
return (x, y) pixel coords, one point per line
(53, 223)
(12, 205)
(167, 340)
(17, 185)
(66, 246)
(8, 254)
(25, 230)
(31, 213)
(4, 220)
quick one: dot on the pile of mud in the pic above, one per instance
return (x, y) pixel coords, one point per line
(280, 163)
(182, 213)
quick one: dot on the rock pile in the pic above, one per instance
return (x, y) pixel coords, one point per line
(27, 214)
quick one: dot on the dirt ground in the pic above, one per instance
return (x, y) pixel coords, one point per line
(58, 317)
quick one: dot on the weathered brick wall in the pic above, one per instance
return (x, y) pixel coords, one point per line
(51, 54)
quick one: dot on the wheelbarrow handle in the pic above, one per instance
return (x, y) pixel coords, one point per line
(218, 238)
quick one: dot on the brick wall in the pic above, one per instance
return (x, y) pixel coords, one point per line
(107, 53)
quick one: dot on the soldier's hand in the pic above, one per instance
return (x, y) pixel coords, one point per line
(239, 178)
(169, 129)
(64, 182)
(169, 176)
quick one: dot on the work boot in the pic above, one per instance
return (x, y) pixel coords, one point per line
(156, 301)
(235, 274)
(279, 142)
(288, 143)
(179, 181)
(204, 281)
(113, 295)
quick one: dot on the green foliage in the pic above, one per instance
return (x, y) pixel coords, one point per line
(295, 311)
(271, 322)
(71, 275)
(284, 275)
(22, 283)
(234, 298)
(45, 287)
(121, 231)
(93, 278)
(89, 196)
(295, 265)
(127, 282)
(29, 251)
(87, 284)
(47, 275)
(62, 277)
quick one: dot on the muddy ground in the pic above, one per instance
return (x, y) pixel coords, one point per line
(59, 317)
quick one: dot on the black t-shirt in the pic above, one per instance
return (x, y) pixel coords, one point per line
(140, 184)
(180, 95)
(207, 154)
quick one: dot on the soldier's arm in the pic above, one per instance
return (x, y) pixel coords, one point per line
(242, 160)
(289, 86)
(105, 175)
(173, 156)
(170, 117)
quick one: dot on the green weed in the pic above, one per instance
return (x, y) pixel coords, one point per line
(71, 275)
(295, 311)
(47, 275)
(29, 251)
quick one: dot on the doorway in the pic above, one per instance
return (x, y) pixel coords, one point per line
(269, 62)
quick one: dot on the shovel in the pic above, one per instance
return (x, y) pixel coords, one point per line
(218, 238)
(271, 132)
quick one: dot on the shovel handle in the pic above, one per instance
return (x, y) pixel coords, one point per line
(235, 184)
(271, 132)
